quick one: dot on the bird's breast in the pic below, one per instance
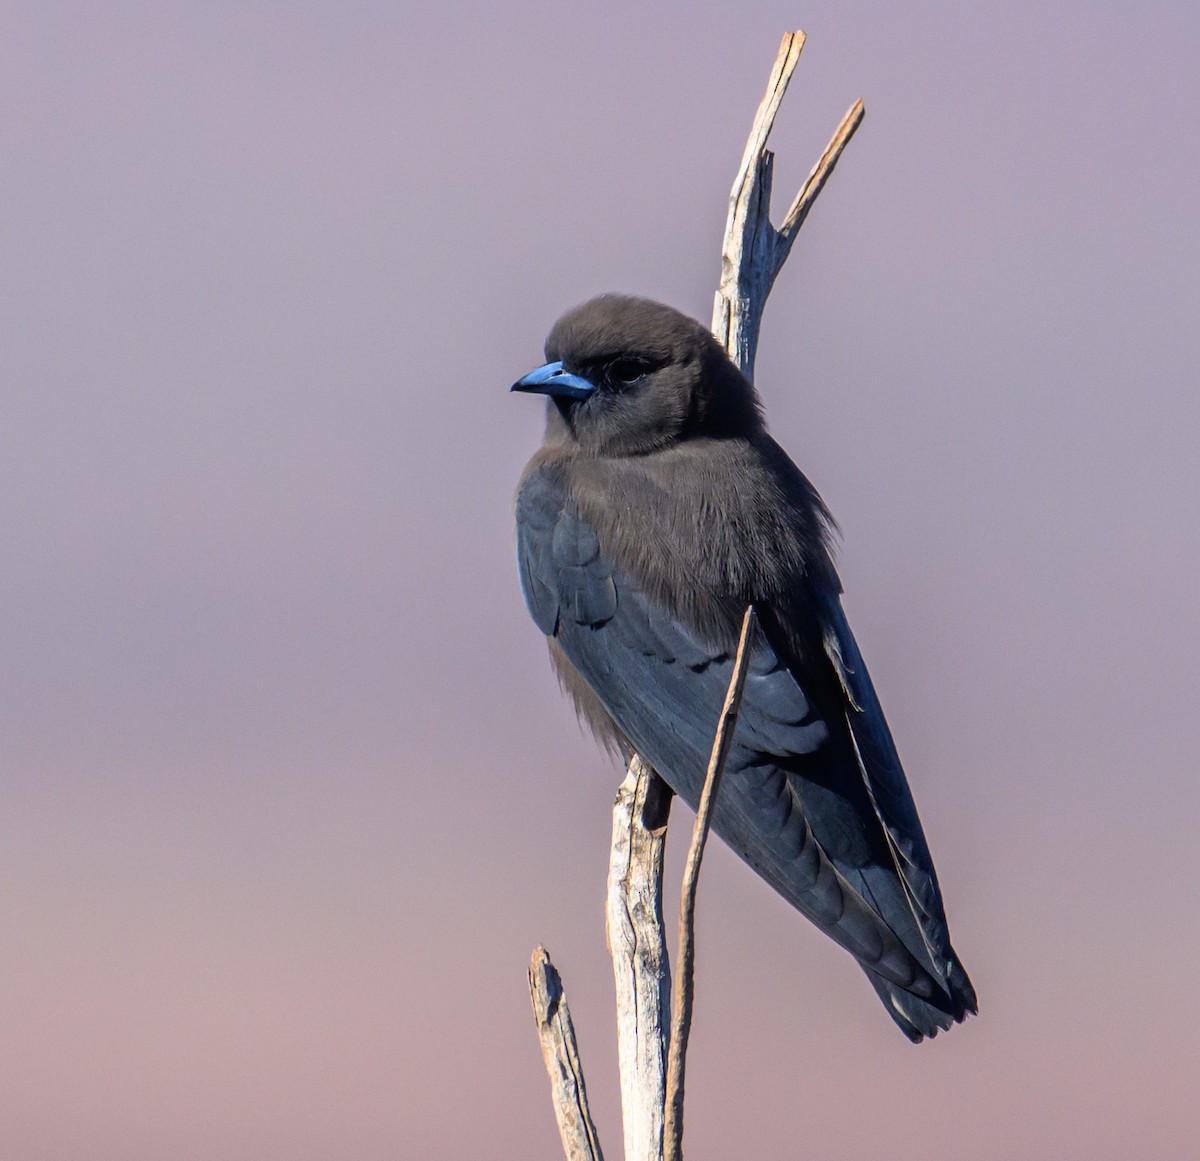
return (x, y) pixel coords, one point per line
(703, 530)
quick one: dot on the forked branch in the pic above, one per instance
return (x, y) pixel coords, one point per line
(753, 251)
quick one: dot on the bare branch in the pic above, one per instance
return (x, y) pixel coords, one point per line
(637, 943)
(790, 48)
(681, 1009)
(561, 1054)
(753, 251)
(817, 179)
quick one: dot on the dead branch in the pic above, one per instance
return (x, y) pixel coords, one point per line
(638, 946)
(561, 1054)
(753, 251)
(685, 968)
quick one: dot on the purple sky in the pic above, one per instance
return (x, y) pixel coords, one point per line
(287, 790)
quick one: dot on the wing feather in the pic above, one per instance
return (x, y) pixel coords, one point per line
(663, 684)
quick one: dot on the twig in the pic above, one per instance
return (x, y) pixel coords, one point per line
(637, 943)
(816, 180)
(753, 251)
(561, 1054)
(681, 1008)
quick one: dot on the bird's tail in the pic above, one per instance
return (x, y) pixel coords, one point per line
(918, 1018)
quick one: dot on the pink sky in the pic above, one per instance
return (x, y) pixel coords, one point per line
(287, 790)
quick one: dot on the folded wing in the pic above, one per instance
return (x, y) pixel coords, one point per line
(815, 801)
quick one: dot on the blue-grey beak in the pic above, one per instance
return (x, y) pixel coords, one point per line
(551, 379)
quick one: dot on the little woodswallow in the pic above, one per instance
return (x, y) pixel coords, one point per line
(655, 511)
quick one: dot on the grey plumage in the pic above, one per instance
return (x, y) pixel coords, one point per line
(657, 508)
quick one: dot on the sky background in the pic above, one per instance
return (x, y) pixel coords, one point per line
(287, 790)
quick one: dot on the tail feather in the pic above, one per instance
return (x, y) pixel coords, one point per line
(918, 1018)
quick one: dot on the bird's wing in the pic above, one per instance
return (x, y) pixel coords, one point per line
(664, 685)
(891, 800)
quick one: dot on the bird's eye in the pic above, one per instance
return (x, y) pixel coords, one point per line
(627, 372)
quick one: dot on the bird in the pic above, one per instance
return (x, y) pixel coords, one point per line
(655, 511)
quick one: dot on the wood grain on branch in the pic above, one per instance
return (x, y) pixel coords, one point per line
(753, 251)
(637, 943)
(561, 1054)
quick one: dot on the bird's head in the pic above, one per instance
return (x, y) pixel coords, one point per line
(628, 376)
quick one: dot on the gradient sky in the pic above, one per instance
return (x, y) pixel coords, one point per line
(287, 790)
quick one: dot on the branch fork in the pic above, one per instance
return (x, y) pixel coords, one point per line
(753, 251)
